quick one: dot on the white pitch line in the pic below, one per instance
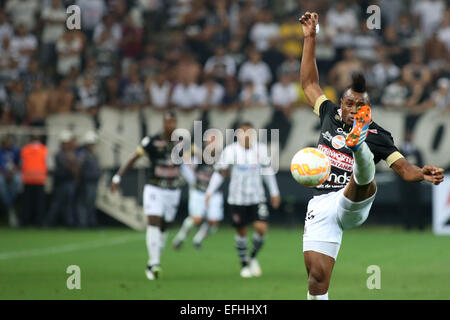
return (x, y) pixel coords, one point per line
(66, 248)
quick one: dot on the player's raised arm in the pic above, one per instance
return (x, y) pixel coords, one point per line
(309, 76)
(124, 168)
(412, 173)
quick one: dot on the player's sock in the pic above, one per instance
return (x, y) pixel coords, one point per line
(187, 225)
(258, 241)
(202, 233)
(318, 297)
(153, 239)
(241, 246)
(364, 166)
(162, 243)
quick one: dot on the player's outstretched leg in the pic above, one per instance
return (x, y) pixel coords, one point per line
(186, 227)
(258, 241)
(319, 268)
(241, 246)
(154, 236)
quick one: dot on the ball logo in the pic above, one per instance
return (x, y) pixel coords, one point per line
(338, 142)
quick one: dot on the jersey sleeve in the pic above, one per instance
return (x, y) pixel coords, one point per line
(383, 147)
(145, 143)
(323, 106)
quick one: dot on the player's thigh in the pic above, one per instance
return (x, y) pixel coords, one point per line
(351, 214)
(153, 200)
(214, 212)
(196, 205)
(171, 202)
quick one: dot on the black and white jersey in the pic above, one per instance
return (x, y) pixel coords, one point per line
(248, 169)
(332, 142)
(162, 172)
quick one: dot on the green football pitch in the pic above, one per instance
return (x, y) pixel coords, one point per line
(33, 265)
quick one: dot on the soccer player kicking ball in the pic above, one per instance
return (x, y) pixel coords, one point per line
(354, 144)
(162, 192)
(208, 218)
(249, 164)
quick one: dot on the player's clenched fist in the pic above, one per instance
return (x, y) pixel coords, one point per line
(433, 174)
(309, 22)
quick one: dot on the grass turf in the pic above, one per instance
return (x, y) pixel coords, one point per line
(33, 265)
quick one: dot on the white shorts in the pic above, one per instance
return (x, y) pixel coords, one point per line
(328, 215)
(197, 208)
(161, 202)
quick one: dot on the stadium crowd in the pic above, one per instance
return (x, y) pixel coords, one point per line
(203, 54)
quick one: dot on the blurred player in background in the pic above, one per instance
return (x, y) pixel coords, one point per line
(249, 164)
(354, 144)
(162, 192)
(208, 218)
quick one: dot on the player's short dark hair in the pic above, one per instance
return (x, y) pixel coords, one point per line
(245, 124)
(358, 82)
(169, 114)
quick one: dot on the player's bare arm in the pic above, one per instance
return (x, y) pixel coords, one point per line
(224, 173)
(309, 75)
(412, 173)
(123, 169)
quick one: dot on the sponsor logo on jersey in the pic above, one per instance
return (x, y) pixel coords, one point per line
(338, 142)
(327, 136)
(337, 159)
(339, 179)
(159, 143)
(374, 131)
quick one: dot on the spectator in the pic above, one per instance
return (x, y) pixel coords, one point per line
(428, 14)
(87, 185)
(344, 24)
(253, 95)
(8, 62)
(17, 102)
(107, 38)
(6, 30)
(69, 48)
(92, 12)
(23, 12)
(10, 181)
(264, 30)
(134, 95)
(290, 67)
(398, 95)
(25, 45)
(231, 95)
(365, 42)
(185, 95)
(210, 94)
(37, 105)
(33, 74)
(443, 33)
(65, 176)
(340, 74)
(111, 93)
(61, 100)
(219, 22)
(159, 91)
(284, 95)
(91, 70)
(149, 64)
(34, 176)
(291, 36)
(235, 51)
(255, 70)
(220, 65)
(416, 74)
(53, 18)
(439, 99)
(385, 71)
(88, 96)
(132, 36)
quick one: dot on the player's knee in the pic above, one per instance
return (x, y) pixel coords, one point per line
(317, 276)
(260, 228)
(155, 221)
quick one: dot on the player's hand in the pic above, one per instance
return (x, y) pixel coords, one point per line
(275, 201)
(433, 174)
(114, 187)
(207, 197)
(309, 22)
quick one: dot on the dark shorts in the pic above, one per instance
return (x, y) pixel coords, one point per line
(243, 215)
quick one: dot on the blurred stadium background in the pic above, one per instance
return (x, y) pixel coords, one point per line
(220, 62)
